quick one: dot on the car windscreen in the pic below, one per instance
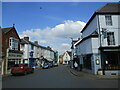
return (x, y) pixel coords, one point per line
(26, 65)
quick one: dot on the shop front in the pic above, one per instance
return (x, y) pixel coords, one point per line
(110, 60)
(14, 58)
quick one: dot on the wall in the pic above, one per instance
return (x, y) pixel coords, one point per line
(95, 45)
(86, 47)
(114, 28)
(66, 57)
(90, 28)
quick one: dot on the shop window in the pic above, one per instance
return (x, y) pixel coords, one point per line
(87, 62)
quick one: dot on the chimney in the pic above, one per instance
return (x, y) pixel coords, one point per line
(49, 47)
(36, 42)
(26, 38)
(78, 38)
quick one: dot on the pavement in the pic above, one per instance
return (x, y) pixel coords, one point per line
(91, 76)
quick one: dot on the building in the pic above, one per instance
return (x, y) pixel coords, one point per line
(61, 59)
(35, 54)
(10, 51)
(99, 47)
(66, 57)
(0, 51)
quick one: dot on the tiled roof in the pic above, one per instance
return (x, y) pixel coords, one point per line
(69, 53)
(109, 8)
(5, 30)
(23, 41)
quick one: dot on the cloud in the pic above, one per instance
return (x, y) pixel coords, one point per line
(56, 36)
(43, 41)
(65, 45)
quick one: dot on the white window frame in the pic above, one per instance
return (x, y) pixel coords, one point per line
(108, 20)
(13, 43)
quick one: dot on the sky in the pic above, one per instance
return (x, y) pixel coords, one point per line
(50, 23)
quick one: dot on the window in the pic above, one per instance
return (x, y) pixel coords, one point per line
(13, 43)
(87, 61)
(110, 38)
(108, 19)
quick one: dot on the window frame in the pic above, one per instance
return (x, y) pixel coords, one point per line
(108, 20)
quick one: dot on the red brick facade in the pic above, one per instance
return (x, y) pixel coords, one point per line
(5, 38)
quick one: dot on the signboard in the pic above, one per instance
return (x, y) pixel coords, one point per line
(14, 56)
(111, 49)
(31, 53)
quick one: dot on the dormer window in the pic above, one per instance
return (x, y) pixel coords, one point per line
(13, 43)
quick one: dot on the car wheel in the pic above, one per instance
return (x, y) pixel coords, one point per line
(32, 71)
(13, 74)
(25, 72)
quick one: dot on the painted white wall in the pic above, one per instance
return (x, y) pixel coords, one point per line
(114, 28)
(95, 45)
(38, 52)
(85, 47)
(91, 28)
(66, 57)
(95, 67)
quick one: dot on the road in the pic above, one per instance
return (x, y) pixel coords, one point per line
(56, 77)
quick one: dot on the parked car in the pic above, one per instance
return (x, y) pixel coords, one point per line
(45, 66)
(50, 64)
(21, 69)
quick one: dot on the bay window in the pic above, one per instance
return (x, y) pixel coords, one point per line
(13, 43)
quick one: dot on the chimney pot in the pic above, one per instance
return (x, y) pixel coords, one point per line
(26, 38)
(36, 42)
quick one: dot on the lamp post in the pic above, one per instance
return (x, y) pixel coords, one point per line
(72, 52)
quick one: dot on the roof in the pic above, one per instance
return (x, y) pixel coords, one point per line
(69, 53)
(60, 56)
(109, 8)
(112, 8)
(23, 41)
(5, 30)
(93, 35)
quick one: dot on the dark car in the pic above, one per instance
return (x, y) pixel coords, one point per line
(50, 64)
(45, 66)
(21, 69)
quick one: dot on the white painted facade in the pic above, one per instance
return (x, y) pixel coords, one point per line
(91, 45)
(38, 52)
(66, 58)
(115, 27)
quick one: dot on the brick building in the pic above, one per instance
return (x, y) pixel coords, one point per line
(10, 51)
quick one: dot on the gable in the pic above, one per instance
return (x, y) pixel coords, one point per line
(12, 33)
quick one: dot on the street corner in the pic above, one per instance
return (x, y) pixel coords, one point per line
(82, 74)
